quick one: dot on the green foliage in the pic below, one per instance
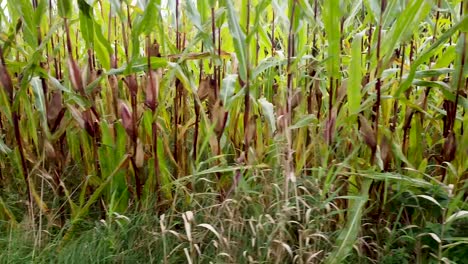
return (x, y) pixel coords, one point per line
(233, 131)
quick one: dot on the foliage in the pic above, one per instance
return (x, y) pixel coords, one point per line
(233, 131)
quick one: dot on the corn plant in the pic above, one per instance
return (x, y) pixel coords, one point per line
(253, 131)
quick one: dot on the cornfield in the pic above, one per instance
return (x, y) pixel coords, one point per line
(229, 131)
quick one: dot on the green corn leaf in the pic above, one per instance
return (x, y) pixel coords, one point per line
(102, 47)
(238, 39)
(144, 24)
(25, 10)
(65, 8)
(86, 22)
(332, 21)
(424, 56)
(40, 11)
(97, 193)
(404, 25)
(305, 121)
(355, 76)
(460, 64)
(348, 235)
(194, 15)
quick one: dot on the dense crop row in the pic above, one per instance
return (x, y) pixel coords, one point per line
(234, 131)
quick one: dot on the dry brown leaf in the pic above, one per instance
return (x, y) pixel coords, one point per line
(49, 150)
(127, 119)
(152, 88)
(214, 145)
(132, 84)
(206, 90)
(330, 127)
(75, 75)
(139, 155)
(450, 147)
(54, 107)
(341, 92)
(296, 98)
(77, 116)
(113, 83)
(154, 49)
(90, 122)
(251, 129)
(5, 78)
(234, 63)
(386, 152)
(218, 117)
(113, 60)
(280, 119)
(367, 133)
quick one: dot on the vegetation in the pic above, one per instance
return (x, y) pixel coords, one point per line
(222, 131)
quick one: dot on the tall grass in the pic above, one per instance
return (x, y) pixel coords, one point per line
(233, 131)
